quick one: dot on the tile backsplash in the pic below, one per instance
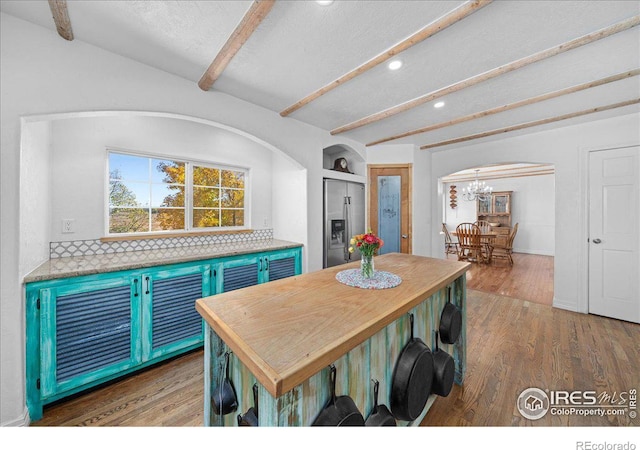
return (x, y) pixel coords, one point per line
(90, 247)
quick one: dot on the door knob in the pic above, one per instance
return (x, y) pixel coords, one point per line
(404, 236)
(596, 241)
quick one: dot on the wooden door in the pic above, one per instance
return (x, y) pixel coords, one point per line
(390, 205)
(614, 224)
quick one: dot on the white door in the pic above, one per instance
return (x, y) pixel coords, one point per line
(614, 229)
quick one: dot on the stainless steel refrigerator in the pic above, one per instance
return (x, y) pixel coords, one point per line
(343, 218)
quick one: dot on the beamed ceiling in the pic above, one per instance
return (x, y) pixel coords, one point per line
(502, 67)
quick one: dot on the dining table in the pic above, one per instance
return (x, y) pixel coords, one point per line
(487, 238)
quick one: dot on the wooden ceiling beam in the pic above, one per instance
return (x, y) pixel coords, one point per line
(61, 18)
(514, 65)
(429, 30)
(253, 17)
(531, 124)
(510, 106)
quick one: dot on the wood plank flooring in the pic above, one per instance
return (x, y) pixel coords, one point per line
(530, 278)
(513, 344)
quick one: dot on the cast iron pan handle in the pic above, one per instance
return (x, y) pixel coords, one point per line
(255, 398)
(411, 321)
(376, 385)
(332, 378)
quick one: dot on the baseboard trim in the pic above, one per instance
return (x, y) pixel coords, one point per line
(23, 421)
(569, 306)
(533, 252)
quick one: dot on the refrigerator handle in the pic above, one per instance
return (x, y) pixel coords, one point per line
(347, 238)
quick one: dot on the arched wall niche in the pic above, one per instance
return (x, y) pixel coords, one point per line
(356, 162)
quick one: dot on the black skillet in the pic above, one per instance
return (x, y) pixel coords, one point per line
(450, 321)
(443, 371)
(412, 378)
(339, 411)
(250, 418)
(380, 415)
(224, 396)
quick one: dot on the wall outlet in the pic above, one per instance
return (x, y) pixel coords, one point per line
(265, 222)
(68, 225)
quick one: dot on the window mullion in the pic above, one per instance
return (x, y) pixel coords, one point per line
(149, 209)
(188, 196)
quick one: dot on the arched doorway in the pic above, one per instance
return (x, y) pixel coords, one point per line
(522, 194)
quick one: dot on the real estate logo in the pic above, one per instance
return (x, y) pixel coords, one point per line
(533, 403)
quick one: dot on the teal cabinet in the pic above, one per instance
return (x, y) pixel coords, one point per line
(240, 272)
(83, 331)
(170, 322)
(88, 332)
(282, 264)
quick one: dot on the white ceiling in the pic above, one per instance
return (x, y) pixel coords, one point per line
(302, 46)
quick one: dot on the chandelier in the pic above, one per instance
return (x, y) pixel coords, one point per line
(477, 190)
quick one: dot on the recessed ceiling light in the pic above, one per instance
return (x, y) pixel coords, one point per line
(324, 2)
(395, 64)
(438, 105)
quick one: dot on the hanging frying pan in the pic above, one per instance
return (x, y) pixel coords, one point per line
(339, 411)
(444, 369)
(412, 378)
(224, 396)
(380, 415)
(250, 418)
(450, 321)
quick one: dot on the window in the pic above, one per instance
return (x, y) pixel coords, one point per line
(218, 197)
(148, 194)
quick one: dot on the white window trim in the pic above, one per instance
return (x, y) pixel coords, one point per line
(189, 163)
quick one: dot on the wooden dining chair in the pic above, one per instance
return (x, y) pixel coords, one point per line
(504, 251)
(483, 225)
(486, 241)
(469, 246)
(450, 245)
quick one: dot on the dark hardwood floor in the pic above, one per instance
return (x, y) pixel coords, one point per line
(513, 344)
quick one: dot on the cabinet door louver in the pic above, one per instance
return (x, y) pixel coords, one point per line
(240, 277)
(93, 330)
(282, 268)
(174, 313)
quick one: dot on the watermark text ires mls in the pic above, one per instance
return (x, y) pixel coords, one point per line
(534, 403)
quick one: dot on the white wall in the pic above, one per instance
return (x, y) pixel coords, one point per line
(421, 198)
(35, 185)
(289, 200)
(79, 159)
(42, 74)
(564, 148)
(532, 207)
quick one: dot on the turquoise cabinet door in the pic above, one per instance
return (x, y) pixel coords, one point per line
(170, 322)
(88, 331)
(239, 272)
(281, 264)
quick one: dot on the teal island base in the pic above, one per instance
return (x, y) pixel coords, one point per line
(372, 359)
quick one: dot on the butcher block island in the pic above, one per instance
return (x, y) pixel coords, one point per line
(282, 344)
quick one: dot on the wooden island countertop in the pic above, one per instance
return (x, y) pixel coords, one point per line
(285, 331)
